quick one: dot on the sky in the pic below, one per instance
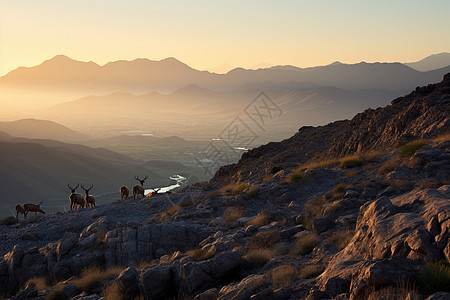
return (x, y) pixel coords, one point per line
(220, 35)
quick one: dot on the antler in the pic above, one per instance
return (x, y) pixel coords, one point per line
(68, 185)
(87, 189)
(146, 176)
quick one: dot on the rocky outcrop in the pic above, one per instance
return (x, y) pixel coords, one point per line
(423, 113)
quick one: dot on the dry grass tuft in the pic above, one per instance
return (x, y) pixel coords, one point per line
(93, 277)
(351, 162)
(258, 257)
(313, 209)
(397, 183)
(340, 189)
(57, 293)
(231, 214)
(265, 239)
(351, 173)
(283, 276)
(234, 189)
(317, 165)
(410, 148)
(40, 283)
(115, 291)
(332, 207)
(341, 238)
(305, 245)
(294, 177)
(252, 191)
(311, 271)
(388, 167)
(166, 215)
(259, 220)
(200, 254)
(443, 137)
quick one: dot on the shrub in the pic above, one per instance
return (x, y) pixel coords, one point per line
(313, 209)
(252, 191)
(40, 283)
(57, 293)
(115, 291)
(239, 189)
(351, 173)
(283, 276)
(91, 278)
(259, 220)
(435, 278)
(200, 254)
(294, 177)
(317, 165)
(388, 167)
(10, 220)
(259, 257)
(265, 239)
(341, 238)
(305, 244)
(311, 271)
(351, 162)
(397, 183)
(276, 169)
(231, 214)
(340, 189)
(410, 148)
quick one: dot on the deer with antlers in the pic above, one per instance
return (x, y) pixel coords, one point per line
(138, 189)
(124, 193)
(88, 199)
(151, 194)
(76, 199)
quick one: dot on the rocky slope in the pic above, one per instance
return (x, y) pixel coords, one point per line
(348, 228)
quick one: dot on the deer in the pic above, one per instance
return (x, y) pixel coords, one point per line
(76, 199)
(89, 199)
(27, 207)
(20, 210)
(139, 189)
(151, 194)
(124, 193)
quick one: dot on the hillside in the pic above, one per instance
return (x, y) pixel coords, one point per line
(356, 209)
(431, 62)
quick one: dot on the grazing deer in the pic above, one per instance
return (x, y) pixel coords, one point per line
(89, 199)
(76, 199)
(20, 210)
(151, 194)
(124, 193)
(27, 207)
(139, 189)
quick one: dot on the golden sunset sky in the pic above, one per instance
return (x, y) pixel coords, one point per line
(219, 35)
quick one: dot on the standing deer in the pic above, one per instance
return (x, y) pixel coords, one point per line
(76, 199)
(124, 193)
(20, 210)
(139, 189)
(89, 199)
(32, 207)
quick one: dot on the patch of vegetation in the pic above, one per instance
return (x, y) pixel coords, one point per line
(265, 239)
(311, 271)
(259, 220)
(340, 189)
(252, 191)
(410, 148)
(283, 276)
(388, 167)
(317, 165)
(232, 214)
(305, 244)
(404, 289)
(332, 207)
(435, 278)
(351, 173)
(40, 283)
(351, 162)
(341, 238)
(396, 183)
(276, 169)
(57, 293)
(259, 257)
(10, 220)
(115, 291)
(234, 189)
(313, 209)
(200, 254)
(294, 177)
(96, 213)
(93, 277)
(166, 215)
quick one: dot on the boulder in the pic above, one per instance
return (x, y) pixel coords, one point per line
(156, 283)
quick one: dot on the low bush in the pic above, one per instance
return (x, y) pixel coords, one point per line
(115, 291)
(388, 167)
(410, 148)
(259, 257)
(313, 209)
(351, 162)
(40, 283)
(252, 191)
(57, 293)
(351, 173)
(294, 177)
(340, 189)
(200, 254)
(265, 239)
(341, 238)
(283, 276)
(305, 244)
(435, 278)
(259, 220)
(310, 271)
(93, 277)
(231, 214)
